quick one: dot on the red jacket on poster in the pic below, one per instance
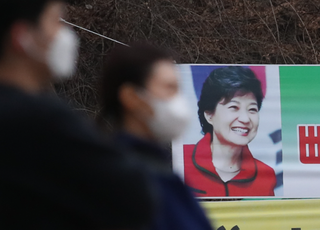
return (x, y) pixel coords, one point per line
(254, 179)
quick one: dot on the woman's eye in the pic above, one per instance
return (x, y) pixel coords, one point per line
(233, 107)
(255, 110)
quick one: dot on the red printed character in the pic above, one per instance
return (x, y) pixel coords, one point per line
(309, 143)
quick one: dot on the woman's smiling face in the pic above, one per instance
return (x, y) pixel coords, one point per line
(236, 122)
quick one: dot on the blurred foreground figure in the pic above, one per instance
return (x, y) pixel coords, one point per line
(140, 97)
(56, 172)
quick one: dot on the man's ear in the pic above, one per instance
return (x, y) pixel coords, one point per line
(208, 116)
(132, 102)
(19, 36)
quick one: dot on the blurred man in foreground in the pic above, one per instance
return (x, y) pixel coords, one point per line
(140, 94)
(55, 171)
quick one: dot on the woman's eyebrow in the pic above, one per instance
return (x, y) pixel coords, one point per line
(253, 103)
(235, 101)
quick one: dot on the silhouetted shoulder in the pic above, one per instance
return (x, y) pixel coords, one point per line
(57, 159)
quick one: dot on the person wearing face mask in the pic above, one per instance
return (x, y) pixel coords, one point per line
(56, 170)
(221, 163)
(141, 99)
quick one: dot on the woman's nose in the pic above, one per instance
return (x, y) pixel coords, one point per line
(244, 117)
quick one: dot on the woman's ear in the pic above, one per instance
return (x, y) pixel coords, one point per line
(132, 102)
(208, 116)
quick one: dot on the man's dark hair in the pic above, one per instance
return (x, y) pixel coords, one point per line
(15, 10)
(224, 83)
(126, 65)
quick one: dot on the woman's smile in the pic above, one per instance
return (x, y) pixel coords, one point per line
(241, 131)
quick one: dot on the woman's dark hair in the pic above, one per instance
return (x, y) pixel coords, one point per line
(126, 65)
(224, 83)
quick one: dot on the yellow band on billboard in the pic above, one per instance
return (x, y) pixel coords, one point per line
(265, 215)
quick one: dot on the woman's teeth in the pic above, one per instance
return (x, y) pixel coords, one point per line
(240, 130)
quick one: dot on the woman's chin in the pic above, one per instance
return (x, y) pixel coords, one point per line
(235, 139)
(242, 141)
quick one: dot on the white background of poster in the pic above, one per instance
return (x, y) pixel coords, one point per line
(262, 147)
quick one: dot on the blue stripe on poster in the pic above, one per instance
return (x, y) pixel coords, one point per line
(279, 179)
(276, 136)
(279, 157)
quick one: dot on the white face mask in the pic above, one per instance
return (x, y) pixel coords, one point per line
(171, 117)
(61, 54)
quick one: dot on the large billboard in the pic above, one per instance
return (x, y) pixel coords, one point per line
(253, 133)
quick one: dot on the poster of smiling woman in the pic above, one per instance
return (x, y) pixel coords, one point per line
(233, 145)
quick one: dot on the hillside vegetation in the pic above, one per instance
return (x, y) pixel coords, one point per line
(197, 31)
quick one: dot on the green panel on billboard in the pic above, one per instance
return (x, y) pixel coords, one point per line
(300, 103)
(300, 95)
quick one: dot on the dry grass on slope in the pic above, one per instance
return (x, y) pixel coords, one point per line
(197, 31)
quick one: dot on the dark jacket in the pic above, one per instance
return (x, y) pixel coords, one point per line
(56, 172)
(177, 208)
